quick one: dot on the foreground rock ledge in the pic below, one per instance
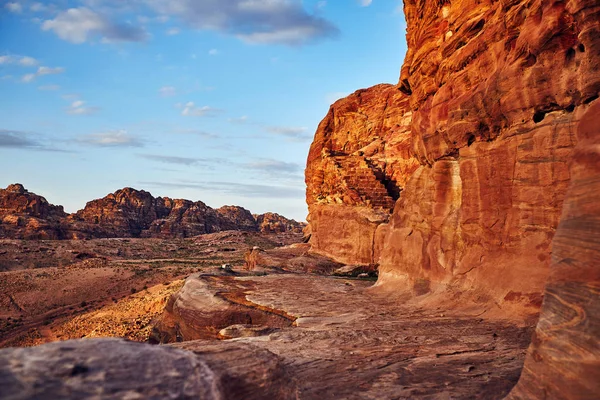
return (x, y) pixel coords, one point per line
(117, 369)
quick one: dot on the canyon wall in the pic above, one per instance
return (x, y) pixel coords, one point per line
(357, 166)
(497, 91)
(504, 119)
(564, 357)
(483, 123)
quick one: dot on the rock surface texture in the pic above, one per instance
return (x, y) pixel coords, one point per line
(357, 166)
(339, 339)
(563, 361)
(496, 92)
(26, 215)
(116, 369)
(490, 96)
(126, 213)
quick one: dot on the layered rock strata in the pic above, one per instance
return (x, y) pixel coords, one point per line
(564, 357)
(26, 215)
(126, 213)
(357, 166)
(491, 96)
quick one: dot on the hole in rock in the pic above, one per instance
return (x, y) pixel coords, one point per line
(570, 54)
(478, 27)
(581, 47)
(570, 108)
(539, 116)
(470, 140)
(590, 99)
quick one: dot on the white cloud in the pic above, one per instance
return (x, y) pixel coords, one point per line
(78, 107)
(14, 7)
(120, 138)
(42, 71)
(365, 3)
(173, 31)
(28, 61)
(23, 61)
(77, 25)
(290, 132)
(167, 91)
(191, 110)
(49, 71)
(255, 21)
(28, 78)
(239, 120)
(213, 52)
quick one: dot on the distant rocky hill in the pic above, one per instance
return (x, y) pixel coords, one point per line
(126, 213)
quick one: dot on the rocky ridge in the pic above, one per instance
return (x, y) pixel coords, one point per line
(126, 213)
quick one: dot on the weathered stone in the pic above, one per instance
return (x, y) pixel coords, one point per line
(275, 223)
(116, 369)
(105, 369)
(26, 215)
(563, 361)
(126, 213)
(360, 158)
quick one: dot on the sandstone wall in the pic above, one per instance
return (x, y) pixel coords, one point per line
(492, 94)
(564, 357)
(497, 90)
(357, 166)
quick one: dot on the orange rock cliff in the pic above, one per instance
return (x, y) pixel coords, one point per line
(472, 150)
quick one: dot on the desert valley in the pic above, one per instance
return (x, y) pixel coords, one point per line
(451, 249)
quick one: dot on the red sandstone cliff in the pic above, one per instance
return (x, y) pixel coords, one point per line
(125, 213)
(489, 99)
(357, 166)
(496, 91)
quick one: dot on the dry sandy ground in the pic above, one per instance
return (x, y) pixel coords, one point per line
(58, 290)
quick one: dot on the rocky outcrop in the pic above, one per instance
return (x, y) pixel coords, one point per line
(236, 218)
(275, 223)
(357, 166)
(26, 215)
(564, 357)
(116, 369)
(497, 92)
(126, 213)
(488, 103)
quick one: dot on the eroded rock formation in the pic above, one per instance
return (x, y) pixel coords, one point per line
(126, 213)
(26, 215)
(116, 369)
(357, 166)
(497, 91)
(491, 98)
(275, 223)
(564, 357)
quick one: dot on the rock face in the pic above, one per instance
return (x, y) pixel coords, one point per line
(564, 356)
(27, 215)
(275, 223)
(116, 369)
(491, 98)
(126, 213)
(496, 91)
(357, 166)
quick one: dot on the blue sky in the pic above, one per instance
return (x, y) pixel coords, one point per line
(211, 100)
